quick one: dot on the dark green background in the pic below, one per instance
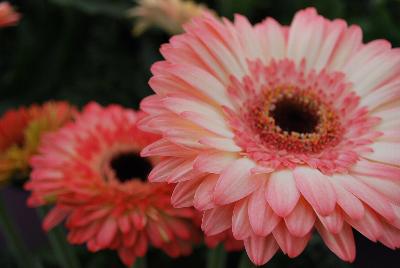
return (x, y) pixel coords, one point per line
(82, 50)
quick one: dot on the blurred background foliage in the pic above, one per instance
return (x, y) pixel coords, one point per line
(83, 50)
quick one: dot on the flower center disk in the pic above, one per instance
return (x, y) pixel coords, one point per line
(295, 120)
(128, 166)
(294, 116)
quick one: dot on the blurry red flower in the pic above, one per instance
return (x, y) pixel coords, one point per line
(91, 170)
(8, 16)
(20, 133)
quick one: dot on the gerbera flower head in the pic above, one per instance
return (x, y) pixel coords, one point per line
(275, 130)
(20, 133)
(8, 16)
(168, 15)
(92, 172)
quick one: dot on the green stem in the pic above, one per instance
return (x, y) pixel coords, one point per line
(64, 252)
(216, 257)
(21, 254)
(140, 263)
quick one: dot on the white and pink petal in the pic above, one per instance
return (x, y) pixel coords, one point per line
(262, 218)
(342, 244)
(261, 249)
(236, 182)
(282, 193)
(316, 189)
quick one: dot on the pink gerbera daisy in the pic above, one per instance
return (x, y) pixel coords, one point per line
(274, 130)
(91, 170)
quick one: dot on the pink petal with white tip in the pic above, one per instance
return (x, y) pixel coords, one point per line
(272, 39)
(332, 34)
(187, 136)
(215, 52)
(381, 96)
(333, 222)
(396, 222)
(262, 218)
(390, 237)
(217, 220)
(378, 70)
(199, 113)
(375, 200)
(184, 192)
(205, 122)
(152, 104)
(385, 152)
(183, 172)
(214, 162)
(281, 193)
(249, 40)
(370, 225)
(164, 147)
(291, 245)
(203, 82)
(241, 228)
(387, 187)
(347, 201)
(316, 189)
(348, 44)
(375, 169)
(235, 182)
(305, 36)
(342, 244)
(203, 199)
(223, 144)
(261, 249)
(364, 54)
(164, 169)
(301, 220)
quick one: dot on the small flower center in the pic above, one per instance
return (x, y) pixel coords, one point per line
(128, 166)
(294, 115)
(295, 120)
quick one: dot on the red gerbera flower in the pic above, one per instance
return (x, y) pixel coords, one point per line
(92, 171)
(20, 133)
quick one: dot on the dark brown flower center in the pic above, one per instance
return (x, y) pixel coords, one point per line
(293, 115)
(294, 120)
(128, 166)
